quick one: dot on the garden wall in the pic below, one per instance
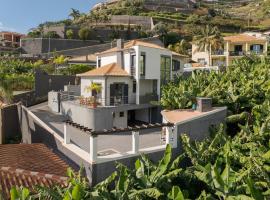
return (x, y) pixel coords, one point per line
(9, 123)
(37, 46)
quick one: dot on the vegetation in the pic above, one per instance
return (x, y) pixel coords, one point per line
(70, 34)
(18, 75)
(85, 33)
(226, 165)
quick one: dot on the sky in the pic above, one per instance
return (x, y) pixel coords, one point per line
(22, 15)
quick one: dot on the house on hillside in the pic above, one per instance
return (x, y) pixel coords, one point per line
(129, 78)
(235, 47)
(10, 39)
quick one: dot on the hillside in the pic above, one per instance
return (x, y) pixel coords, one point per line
(183, 17)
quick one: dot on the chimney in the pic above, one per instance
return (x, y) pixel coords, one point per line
(204, 104)
(120, 57)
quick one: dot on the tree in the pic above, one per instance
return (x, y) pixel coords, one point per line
(180, 47)
(207, 39)
(51, 34)
(84, 33)
(161, 30)
(74, 13)
(70, 34)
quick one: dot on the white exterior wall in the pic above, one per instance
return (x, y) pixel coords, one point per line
(87, 81)
(152, 65)
(120, 122)
(196, 55)
(127, 62)
(146, 87)
(107, 59)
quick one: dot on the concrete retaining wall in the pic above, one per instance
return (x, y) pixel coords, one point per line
(37, 46)
(9, 123)
(45, 83)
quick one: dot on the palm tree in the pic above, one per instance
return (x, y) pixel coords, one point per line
(208, 39)
(74, 13)
(180, 47)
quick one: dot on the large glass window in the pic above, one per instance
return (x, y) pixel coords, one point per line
(165, 69)
(142, 64)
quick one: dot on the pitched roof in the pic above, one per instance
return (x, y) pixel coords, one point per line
(10, 177)
(132, 43)
(107, 70)
(29, 165)
(179, 55)
(243, 38)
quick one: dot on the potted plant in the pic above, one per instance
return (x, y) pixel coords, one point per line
(95, 88)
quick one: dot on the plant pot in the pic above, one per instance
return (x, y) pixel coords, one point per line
(94, 105)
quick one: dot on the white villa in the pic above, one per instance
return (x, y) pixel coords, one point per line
(235, 46)
(130, 77)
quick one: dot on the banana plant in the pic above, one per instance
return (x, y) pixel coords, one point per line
(19, 193)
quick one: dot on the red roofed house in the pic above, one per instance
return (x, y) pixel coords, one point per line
(235, 46)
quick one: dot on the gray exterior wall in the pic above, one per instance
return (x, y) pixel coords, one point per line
(45, 83)
(9, 123)
(94, 118)
(37, 46)
(196, 129)
(34, 132)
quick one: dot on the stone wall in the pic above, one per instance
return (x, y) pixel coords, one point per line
(37, 46)
(99, 48)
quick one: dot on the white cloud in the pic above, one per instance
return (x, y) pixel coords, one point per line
(5, 28)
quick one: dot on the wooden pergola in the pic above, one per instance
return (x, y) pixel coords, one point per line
(117, 130)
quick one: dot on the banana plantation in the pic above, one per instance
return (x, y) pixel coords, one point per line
(233, 164)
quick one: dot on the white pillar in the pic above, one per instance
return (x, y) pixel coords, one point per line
(227, 53)
(66, 135)
(171, 137)
(247, 49)
(93, 148)
(135, 142)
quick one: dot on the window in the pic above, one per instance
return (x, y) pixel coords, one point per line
(134, 87)
(142, 64)
(175, 65)
(256, 48)
(238, 48)
(165, 69)
(132, 60)
(202, 61)
(121, 114)
(99, 62)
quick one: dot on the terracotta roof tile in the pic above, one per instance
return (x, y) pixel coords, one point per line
(32, 157)
(10, 177)
(29, 165)
(107, 70)
(132, 43)
(243, 38)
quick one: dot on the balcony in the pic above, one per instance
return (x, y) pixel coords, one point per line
(243, 53)
(237, 53)
(218, 53)
(147, 98)
(132, 71)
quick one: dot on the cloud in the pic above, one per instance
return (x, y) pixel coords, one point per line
(5, 28)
